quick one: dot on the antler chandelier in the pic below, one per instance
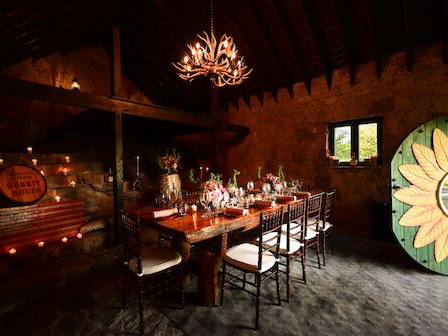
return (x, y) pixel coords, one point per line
(218, 61)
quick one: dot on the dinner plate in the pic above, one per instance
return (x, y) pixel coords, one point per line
(167, 217)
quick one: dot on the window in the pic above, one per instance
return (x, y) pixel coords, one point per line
(360, 137)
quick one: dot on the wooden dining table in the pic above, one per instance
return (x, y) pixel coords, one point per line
(209, 235)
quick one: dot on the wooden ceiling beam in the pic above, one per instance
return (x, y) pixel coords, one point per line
(20, 88)
(317, 37)
(148, 37)
(280, 12)
(407, 31)
(259, 66)
(139, 81)
(264, 31)
(445, 41)
(376, 55)
(344, 41)
(154, 67)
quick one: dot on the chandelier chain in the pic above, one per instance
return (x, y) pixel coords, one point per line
(211, 17)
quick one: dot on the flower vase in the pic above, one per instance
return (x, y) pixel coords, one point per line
(169, 182)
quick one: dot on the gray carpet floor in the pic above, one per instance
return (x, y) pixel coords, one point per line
(367, 288)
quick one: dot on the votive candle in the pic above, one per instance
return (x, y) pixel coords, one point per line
(1, 161)
(57, 198)
(73, 184)
(42, 172)
(64, 171)
(64, 240)
(34, 161)
(40, 244)
(79, 235)
(29, 149)
(194, 208)
(12, 251)
(67, 159)
(138, 163)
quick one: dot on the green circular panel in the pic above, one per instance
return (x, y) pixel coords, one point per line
(419, 181)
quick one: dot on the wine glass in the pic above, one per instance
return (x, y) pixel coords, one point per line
(250, 185)
(284, 186)
(206, 199)
(295, 183)
(172, 196)
(266, 188)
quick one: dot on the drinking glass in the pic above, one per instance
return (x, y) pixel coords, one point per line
(206, 199)
(284, 186)
(250, 185)
(172, 196)
(182, 208)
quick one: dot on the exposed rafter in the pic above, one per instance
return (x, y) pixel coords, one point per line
(373, 38)
(407, 31)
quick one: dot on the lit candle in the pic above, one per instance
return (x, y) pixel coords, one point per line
(73, 184)
(64, 240)
(79, 235)
(12, 251)
(29, 149)
(40, 244)
(1, 161)
(42, 172)
(206, 169)
(194, 208)
(65, 171)
(67, 159)
(34, 161)
(57, 198)
(201, 174)
(138, 163)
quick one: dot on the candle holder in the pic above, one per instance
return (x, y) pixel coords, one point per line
(64, 240)
(29, 149)
(137, 183)
(67, 159)
(34, 161)
(12, 251)
(73, 184)
(1, 161)
(57, 198)
(40, 244)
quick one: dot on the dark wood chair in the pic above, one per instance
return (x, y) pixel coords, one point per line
(153, 270)
(312, 216)
(293, 249)
(325, 226)
(248, 258)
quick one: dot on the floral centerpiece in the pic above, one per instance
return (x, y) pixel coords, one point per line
(232, 184)
(215, 187)
(273, 179)
(170, 161)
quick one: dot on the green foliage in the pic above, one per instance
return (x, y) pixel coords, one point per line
(368, 140)
(342, 144)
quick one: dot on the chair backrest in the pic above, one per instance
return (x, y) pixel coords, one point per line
(296, 213)
(131, 239)
(329, 206)
(313, 210)
(270, 222)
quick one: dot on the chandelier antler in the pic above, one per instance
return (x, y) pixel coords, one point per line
(218, 61)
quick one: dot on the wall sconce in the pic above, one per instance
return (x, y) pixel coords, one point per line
(75, 84)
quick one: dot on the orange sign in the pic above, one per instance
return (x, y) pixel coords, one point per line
(22, 184)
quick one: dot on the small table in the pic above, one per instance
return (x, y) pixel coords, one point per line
(209, 234)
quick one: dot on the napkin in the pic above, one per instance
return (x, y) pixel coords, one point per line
(301, 194)
(236, 211)
(265, 203)
(164, 213)
(285, 198)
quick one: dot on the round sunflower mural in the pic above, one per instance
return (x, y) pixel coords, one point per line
(420, 222)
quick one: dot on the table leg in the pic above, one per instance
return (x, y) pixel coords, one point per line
(184, 249)
(208, 264)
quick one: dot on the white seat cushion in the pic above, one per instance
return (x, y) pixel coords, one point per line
(294, 245)
(155, 260)
(294, 229)
(245, 256)
(310, 234)
(322, 226)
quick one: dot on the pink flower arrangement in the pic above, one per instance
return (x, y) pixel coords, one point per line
(272, 179)
(214, 185)
(170, 161)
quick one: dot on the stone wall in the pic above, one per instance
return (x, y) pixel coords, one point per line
(294, 132)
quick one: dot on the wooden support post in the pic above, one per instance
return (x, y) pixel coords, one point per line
(116, 63)
(214, 113)
(184, 249)
(118, 178)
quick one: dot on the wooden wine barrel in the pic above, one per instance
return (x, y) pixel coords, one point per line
(169, 182)
(20, 185)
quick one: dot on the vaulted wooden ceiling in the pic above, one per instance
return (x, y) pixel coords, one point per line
(285, 41)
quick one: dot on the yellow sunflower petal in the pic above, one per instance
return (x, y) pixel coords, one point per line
(427, 160)
(415, 196)
(440, 142)
(430, 231)
(416, 175)
(441, 248)
(420, 215)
